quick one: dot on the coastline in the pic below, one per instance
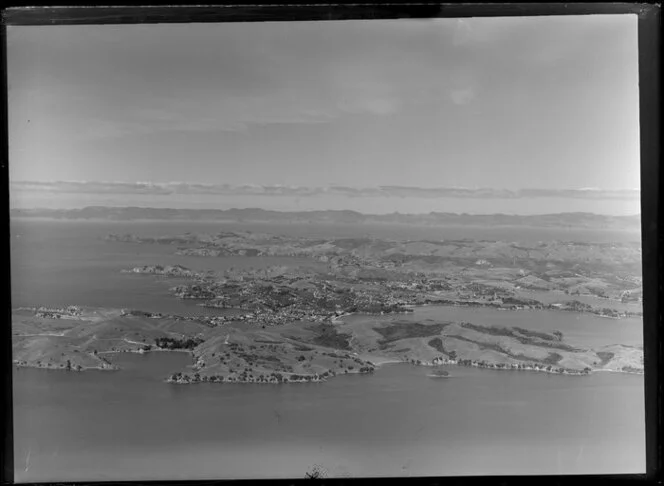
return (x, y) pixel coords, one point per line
(145, 351)
(110, 367)
(641, 373)
(371, 359)
(377, 363)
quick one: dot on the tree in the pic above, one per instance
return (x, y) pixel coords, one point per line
(314, 473)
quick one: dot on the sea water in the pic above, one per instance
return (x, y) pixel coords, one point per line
(130, 424)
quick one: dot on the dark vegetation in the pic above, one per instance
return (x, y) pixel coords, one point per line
(552, 358)
(172, 343)
(139, 313)
(327, 335)
(605, 356)
(499, 349)
(484, 346)
(528, 337)
(555, 336)
(405, 330)
(437, 344)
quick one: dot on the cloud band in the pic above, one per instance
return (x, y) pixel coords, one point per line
(182, 188)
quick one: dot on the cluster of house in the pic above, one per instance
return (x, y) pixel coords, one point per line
(68, 312)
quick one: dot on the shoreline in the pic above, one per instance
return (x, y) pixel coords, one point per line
(377, 362)
(641, 373)
(492, 367)
(396, 362)
(474, 305)
(374, 360)
(141, 351)
(111, 367)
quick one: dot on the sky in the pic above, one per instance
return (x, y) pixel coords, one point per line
(509, 104)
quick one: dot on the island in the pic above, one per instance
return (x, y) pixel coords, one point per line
(340, 305)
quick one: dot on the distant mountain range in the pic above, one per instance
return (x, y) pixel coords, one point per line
(575, 220)
(173, 188)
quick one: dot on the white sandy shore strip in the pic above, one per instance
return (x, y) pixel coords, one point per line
(380, 360)
(46, 334)
(140, 351)
(337, 319)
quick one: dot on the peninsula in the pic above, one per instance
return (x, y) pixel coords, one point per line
(339, 312)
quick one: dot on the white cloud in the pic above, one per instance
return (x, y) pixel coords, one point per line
(184, 188)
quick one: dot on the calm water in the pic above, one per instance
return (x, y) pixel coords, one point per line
(63, 263)
(393, 231)
(131, 425)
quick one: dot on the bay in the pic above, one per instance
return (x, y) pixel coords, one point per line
(130, 425)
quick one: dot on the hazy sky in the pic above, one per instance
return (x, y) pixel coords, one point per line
(506, 103)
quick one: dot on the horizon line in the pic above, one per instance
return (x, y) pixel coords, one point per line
(284, 190)
(345, 211)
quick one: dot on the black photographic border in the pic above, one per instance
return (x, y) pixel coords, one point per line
(649, 44)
